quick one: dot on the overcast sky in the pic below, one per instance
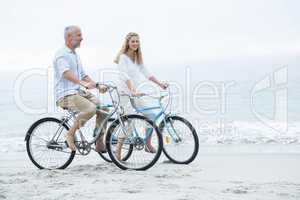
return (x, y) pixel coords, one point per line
(172, 32)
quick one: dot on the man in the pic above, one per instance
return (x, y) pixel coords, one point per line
(69, 76)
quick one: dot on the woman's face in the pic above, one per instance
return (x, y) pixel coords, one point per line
(134, 43)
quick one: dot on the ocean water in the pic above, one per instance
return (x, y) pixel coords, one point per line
(224, 109)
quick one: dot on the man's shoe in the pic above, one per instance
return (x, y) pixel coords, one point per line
(100, 146)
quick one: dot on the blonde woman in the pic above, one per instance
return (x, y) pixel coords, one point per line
(132, 73)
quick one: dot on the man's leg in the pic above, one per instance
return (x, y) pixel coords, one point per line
(87, 110)
(70, 136)
(100, 116)
(100, 143)
(124, 101)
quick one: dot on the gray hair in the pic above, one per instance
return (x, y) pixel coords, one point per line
(70, 29)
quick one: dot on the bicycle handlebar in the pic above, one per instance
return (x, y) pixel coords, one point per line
(151, 95)
(111, 88)
(159, 98)
(116, 104)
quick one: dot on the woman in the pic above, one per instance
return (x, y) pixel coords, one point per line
(132, 69)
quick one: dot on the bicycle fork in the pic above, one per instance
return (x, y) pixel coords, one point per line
(172, 132)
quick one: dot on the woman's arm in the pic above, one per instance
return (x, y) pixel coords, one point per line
(152, 78)
(160, 84)
(131, 87)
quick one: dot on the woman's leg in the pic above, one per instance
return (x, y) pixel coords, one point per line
(149, 147)
(150, 114)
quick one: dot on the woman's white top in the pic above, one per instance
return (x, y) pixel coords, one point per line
(128, 70)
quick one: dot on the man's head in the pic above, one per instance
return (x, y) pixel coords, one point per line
(73, 37)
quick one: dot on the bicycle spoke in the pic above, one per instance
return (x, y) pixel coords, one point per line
(137, 136)
(42, 151)
(180, 139)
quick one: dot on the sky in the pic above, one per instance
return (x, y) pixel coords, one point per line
(172, 32)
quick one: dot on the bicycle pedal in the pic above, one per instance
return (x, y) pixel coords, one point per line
(66, 144)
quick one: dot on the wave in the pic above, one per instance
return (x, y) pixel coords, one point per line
(237, 133)
(248, 133)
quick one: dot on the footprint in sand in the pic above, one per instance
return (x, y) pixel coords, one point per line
(17, 180)
(163, 176)
(283, 194)
(237, 182)
(167, 162)
(132, 191)
(237, 190)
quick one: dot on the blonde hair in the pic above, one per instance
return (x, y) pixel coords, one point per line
(138, 58)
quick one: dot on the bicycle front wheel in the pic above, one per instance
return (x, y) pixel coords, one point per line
(181, 143)
(134, 142)
(45, 144)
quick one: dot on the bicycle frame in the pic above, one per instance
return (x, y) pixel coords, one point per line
(116, 109)
(161, 114)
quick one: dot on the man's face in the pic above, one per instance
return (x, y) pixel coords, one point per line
(76, 38)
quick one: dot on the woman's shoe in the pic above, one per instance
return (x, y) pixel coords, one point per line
(118, 148)
(150, 149)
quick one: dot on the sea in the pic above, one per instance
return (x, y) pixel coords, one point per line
(226, 105)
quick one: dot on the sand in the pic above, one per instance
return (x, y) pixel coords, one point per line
(219, 172)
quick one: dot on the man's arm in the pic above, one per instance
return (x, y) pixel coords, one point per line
(69, 75)
(88, 79)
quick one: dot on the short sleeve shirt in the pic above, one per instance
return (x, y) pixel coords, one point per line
(66, 59)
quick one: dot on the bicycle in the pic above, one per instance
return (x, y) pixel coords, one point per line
(180, 139)
(47, 148)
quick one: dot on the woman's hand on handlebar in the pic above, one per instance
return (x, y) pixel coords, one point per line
(138, 94)
(164, 85)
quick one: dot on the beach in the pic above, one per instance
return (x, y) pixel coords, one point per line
(239, 156)
(219, 172)
(232, 71)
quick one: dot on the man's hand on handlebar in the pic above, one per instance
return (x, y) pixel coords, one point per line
(102, 88)
(87, 85)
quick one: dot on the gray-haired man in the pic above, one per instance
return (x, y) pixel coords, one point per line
(69, 76)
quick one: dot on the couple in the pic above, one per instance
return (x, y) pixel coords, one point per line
(70, 75)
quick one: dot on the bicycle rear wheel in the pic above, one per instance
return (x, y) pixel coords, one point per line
(45, 144)
(134, 138)
(181, 143)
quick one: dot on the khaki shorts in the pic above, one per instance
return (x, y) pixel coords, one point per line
(84, 102)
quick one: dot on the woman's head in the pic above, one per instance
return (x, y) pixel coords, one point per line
(131, 43)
